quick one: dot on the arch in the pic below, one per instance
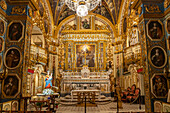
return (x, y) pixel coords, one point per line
(97, 16)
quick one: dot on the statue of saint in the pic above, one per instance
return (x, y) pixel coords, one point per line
(48, 83)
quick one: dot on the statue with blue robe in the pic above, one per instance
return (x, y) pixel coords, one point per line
(48, 83)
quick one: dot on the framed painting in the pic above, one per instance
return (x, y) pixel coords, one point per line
(15, 31)
(12, 58)
(155, 30)
(86, 22)
(1, 44)
(85, 55)
(2, 27)
(157, 57)
(157, 106)
(11, 86)
(166, 107)
(167, 25)
(159, 85)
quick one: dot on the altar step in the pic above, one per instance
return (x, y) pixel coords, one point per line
(87, 105)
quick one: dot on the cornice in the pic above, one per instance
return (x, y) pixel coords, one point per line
(31, 3)
(137, 3)
(86, 31)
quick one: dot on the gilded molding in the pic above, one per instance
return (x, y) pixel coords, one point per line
(152, 8)
(18, 10)
(166, 3)
(3, 5)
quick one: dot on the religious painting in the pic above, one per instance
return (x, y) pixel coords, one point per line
(14, 105)
(11, 86)
(2, 28)
(1, 44)
(85, 55)
(168, 25)
(64, 14)
(157, 57)
(12, 58)
(41, 9)
(15, 31)
(85, 22)
(166, 107)
(159, 85)
(155, 30)
(157, 107)
(46, 25)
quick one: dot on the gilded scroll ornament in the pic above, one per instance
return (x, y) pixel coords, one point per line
(166, 3)
(152, 8)
(30, 12)
(18, 10)
(3, 5)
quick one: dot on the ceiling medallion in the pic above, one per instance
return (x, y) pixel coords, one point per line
(82, 7)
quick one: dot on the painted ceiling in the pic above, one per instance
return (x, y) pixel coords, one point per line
(109, 9)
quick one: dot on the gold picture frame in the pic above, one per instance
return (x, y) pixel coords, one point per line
(155, 30)
(19, 34)
(1, 44)
(2, 24)
(12, 59)
(168, 43)
(11, 85)
(159, 80)
(157, 57)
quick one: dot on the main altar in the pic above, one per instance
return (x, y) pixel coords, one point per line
(85, 55)
(85, 80)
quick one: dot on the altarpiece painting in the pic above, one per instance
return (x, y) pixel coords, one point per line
(85, 55)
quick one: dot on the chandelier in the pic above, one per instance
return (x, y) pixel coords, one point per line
(82, 6)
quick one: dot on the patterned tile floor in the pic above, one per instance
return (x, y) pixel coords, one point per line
(107, 108)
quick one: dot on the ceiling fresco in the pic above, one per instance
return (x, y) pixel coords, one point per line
(110, 10)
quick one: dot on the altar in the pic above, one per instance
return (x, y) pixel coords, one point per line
(85, 81)
(86, 93)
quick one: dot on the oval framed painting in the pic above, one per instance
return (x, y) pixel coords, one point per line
(15, 31)
(157, 57)
(12, 58)
(155, 30)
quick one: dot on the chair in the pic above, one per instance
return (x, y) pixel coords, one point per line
(134, 97)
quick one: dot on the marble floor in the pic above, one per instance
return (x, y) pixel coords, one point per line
(106, 108)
